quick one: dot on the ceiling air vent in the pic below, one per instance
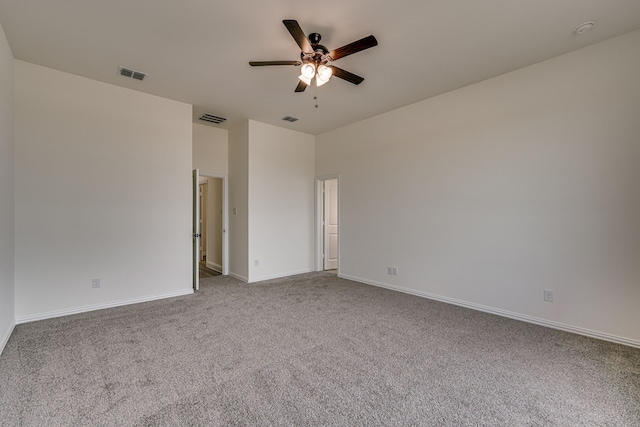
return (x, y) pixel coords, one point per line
(138, 76)
(290, 119)
(212, 119)
(131, 73)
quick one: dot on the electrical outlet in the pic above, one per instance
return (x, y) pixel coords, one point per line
(95, 283)
(394, 271)
(256, 263)
(389, 271)
(548, 295)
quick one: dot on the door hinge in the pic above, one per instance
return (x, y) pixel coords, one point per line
(197, 235)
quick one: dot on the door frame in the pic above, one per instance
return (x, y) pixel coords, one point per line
(319, 215)
(195, 223)
(225, 217)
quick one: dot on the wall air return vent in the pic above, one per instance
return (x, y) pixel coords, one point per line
(131, 73)
(290, 119)
(212, 119)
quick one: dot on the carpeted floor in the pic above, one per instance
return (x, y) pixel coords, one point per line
(312, 349)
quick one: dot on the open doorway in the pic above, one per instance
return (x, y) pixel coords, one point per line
(327, 223)
(212, 222)
(211, 243)
(204, 190)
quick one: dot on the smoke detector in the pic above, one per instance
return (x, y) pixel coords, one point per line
(584, 27)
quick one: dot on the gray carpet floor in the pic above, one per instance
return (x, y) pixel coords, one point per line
(312, 349)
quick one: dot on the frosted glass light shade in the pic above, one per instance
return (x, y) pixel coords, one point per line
(323, 76)
(308, 70)
(305, 79)
(324, 72)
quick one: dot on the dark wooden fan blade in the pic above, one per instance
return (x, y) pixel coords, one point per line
(301, 86)
(354, 47)
(345, 75)
(298, 35)
(263, 63)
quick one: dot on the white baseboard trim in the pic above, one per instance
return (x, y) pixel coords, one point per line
(214, 266)
(7, 334)
(86, 308)
(504, 313)
(238, 276)
(280, 275)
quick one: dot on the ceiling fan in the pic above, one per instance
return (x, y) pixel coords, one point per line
(315, 59)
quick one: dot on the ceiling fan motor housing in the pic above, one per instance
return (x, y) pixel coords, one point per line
(315, 38)
(320, 52)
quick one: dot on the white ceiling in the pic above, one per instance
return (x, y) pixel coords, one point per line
(197, 51)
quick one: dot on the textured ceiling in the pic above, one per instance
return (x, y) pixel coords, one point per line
(197, 51)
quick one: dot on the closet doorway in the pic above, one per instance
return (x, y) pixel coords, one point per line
(327, 223)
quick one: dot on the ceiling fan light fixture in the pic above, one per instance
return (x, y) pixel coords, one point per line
(324, 73)
(308, 70)
(305, 79)
(319, 81)
(314, 57)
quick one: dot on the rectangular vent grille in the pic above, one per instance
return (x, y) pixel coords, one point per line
(290, 119)
(131, 73)
(212, 119)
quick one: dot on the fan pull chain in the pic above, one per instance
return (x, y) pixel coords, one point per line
(315, 96)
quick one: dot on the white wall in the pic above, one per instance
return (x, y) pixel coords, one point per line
(271, 182)
(7, 275)
(210, 150)
(489, 194)
(239, 201)
(211, 157)
(281, 201)
(103, 190)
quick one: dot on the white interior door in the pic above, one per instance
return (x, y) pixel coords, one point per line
(196, 229)
(331, 224)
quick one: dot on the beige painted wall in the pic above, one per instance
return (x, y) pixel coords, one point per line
(271, 188)
(103, 190)
(487, 195)
(7, 273)
(210, 152)
(281, 201)
(211, 157)
(239, 201)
